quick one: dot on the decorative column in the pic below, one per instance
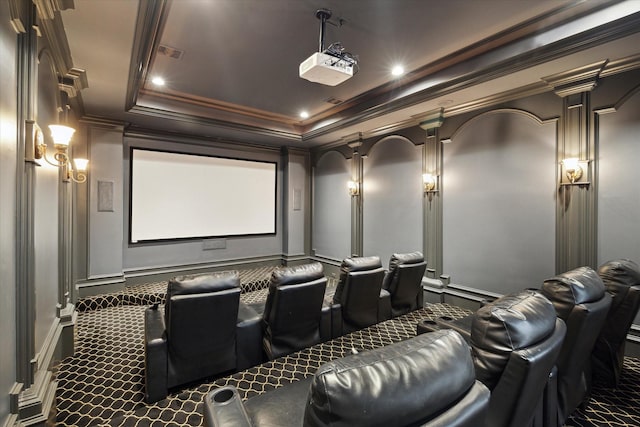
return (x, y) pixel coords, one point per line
(576, 205)
(356, 197)
(432, 202)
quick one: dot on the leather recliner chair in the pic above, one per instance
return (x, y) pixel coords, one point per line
(359, 300)
(428, 380)
(621, 279)
(293, 316)
(515, 342)
(403, 281)
(580, 300)
(203, 331)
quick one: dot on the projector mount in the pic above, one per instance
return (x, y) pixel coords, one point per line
(330, 66)
(335, 49)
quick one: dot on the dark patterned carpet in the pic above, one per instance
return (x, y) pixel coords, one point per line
(102, 384)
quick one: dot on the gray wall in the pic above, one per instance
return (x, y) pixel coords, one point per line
(8, 127)
(499, 206)
(392, 198)
(618, 182)
(332, 207)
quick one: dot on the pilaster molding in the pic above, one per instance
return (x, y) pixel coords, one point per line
(357, 175)
(583, 79)
(576, 205)
(432, 201)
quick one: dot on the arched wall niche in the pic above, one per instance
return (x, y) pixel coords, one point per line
(618, 152)
(331, 223)
(498, 189)
(392, 197)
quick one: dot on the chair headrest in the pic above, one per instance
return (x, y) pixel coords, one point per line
(413, 379)
(577, 286)
(512, 322)
(297, 274)
(360, 264)
(402, 259)
(203, 283)
(620, 272)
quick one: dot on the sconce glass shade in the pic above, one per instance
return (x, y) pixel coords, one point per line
(81, 164)
(61, 135)
(572, 169)
(429, 182)
(354, 188)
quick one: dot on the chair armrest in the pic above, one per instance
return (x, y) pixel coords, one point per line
(248, 338)
(384, 306)
(325, 324)
(155, 355)
(337, 329)
(224, 407)
(462, 326)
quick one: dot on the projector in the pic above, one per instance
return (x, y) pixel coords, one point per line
(326, 69)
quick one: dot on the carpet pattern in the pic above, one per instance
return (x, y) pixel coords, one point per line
(102, 384)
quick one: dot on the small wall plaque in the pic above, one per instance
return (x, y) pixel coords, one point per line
(105, 196)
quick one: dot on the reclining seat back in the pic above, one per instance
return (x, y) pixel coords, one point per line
(358, 292)
(515, 343)
(292, 314)
(622, 281)
(428, 380)
(201, 313)
(580, 300)
(404, 282)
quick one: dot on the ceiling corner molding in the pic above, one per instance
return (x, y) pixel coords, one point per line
(152, 15)
(73, 82)
(582, 79)
(47, 8)
(621, 66)
(17, 16)
(52, 29)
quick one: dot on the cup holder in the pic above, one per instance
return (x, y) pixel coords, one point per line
(223, 395)
(427, 325)
(445, 318)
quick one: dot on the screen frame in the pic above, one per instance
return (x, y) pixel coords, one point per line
(202, 237)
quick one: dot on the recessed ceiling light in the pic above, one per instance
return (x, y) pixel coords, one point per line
(158, 81)
(304, 114)
(397, 70)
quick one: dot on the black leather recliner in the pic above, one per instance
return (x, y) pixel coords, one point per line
(203, 331)
(293, 316)
(428, 380)
(403, 281)
(622, 281)
(580, 300)
(359, 300)
(515, 341)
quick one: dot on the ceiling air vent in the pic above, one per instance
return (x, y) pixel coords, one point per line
(171, 52)
(334, 101)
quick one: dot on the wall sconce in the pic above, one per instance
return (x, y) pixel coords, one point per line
(573, 170)
(61, 136)
(354, 188)
(429, 183)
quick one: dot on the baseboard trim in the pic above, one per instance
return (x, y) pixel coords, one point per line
(34, 403)
(159, 273)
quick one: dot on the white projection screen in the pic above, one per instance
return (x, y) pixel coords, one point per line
(187, 196)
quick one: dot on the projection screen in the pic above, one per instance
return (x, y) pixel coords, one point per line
(186, 196)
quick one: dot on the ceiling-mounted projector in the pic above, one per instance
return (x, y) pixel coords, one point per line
(325, 69)
(331, 66)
